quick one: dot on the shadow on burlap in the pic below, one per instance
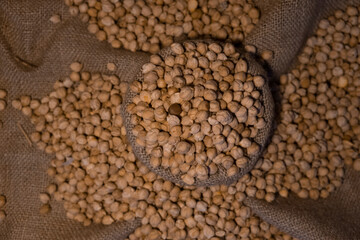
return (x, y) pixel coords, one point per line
(26, 33)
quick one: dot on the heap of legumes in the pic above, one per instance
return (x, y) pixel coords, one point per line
(152, 24)
(98, 179)
(319, 129)
(198, 110)
(80, 123)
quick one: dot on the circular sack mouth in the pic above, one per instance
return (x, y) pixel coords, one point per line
(199, 113)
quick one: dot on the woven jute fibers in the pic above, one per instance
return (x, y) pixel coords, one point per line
(221, 176)
(46, 51)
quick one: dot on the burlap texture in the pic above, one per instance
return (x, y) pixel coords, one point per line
(221, 176)
(47, 49)
(26, 33)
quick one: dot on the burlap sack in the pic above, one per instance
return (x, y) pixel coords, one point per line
(255, 68)
(46, 50)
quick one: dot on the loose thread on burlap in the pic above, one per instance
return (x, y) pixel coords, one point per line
(25, 134)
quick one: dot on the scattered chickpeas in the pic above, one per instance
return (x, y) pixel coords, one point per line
(100, 181)
(96, 173)
(92, 123)
(99, 185)
(319, 123)
(151, 25)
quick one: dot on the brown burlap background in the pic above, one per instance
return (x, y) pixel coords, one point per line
(47, 50)
(221, 176)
